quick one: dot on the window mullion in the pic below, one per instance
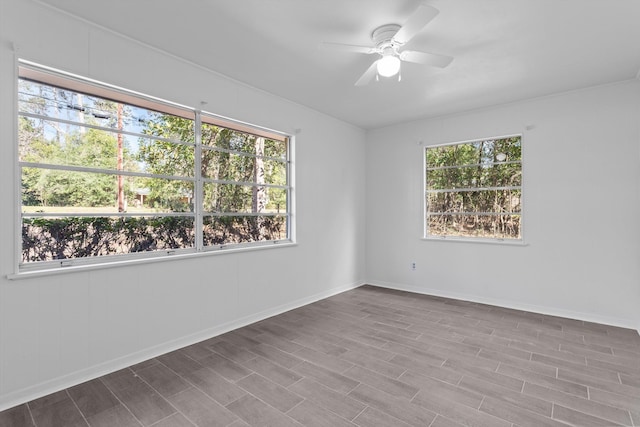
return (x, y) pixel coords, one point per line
(242, 153)
(84, 169)
(289, 184)
(198, 197)
(473, 189)
(102, 128)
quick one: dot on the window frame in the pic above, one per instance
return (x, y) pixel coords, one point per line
(473, 239)
(30, 71)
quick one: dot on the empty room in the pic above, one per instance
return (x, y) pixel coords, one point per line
(319, 213)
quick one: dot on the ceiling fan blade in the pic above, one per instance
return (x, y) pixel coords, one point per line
(368, 75)
(433, 59)
(416, 22)
(347, 47)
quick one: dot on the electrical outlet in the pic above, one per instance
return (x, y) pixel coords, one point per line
(413, 266)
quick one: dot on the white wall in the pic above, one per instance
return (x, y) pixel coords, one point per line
(63, 329)
(582, 209)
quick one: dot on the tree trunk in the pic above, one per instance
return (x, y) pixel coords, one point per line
(259, 191)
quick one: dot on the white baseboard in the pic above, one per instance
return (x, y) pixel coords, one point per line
(42, 389)
(552, 311)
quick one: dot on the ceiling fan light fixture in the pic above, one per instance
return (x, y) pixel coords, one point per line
(388, 65)
(389, 41)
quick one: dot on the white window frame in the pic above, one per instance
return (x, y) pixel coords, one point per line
(480, 239)
(54, 77)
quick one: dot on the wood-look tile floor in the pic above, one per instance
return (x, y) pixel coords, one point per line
(371, 357)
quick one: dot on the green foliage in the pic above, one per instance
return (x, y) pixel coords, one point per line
(45, 239)
(162, 157)
(51, 187)
(242, 229)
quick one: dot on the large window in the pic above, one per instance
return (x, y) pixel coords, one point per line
(107, 173)
(474, 189)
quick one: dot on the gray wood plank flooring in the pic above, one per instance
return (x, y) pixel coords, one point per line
(371, 357)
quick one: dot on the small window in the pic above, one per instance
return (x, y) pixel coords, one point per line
(107, 174)
(473, 189)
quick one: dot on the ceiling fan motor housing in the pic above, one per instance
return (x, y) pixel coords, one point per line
(383, 37)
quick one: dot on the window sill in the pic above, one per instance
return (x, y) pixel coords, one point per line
(140, 261)
(504, 242)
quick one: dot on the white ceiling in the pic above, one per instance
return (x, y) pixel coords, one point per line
(504, 50)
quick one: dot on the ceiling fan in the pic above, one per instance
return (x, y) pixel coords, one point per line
(388, 41)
